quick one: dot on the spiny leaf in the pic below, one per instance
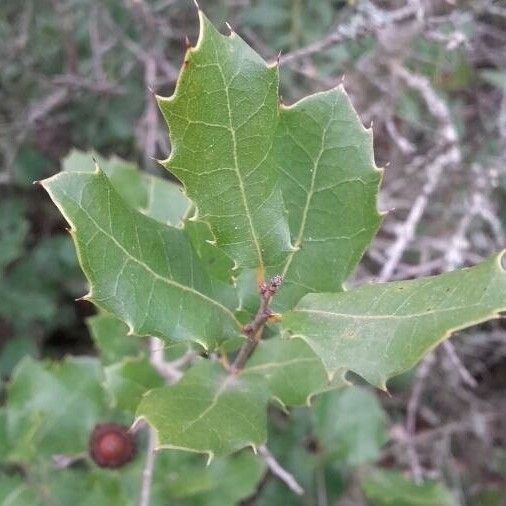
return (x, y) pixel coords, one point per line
(222, 120)
(381, 330)
(111, 338)
(330, 184)
(350, 425)
(52, 407)
(293, 371)
(129, 380)
(153, 196)
(224, 482)
(208, 411)
(141, 271)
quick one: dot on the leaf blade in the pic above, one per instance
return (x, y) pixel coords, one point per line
(381, 330)
(143, 272)
(226, 413)
(228, 95)
(330, 185)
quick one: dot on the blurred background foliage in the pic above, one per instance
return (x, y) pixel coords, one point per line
(431, 77)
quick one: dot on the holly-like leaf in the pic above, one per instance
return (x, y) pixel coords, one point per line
(381, 330)
(384, 488)
(110, 336)
(52, 407)
(155, 197)
(330, 183)
(350, 425)
(141, 271)
(222, 120)
(129, 380)
(224, 482)
(208, 411)
(293, 371)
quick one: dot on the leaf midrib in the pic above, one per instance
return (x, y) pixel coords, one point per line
(238, 173)
(385, 317)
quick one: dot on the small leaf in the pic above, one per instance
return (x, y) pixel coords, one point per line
(384, 488)
(224, 482)
(381, 330)
(158, 198)
(293, 371)
(110, 336)
(222, 119)
(208, 411)
(141, 271)
(350, 425)
(330, 184)
(129, 380)
(52, 407)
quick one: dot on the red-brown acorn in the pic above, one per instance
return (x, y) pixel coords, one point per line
(111, 445)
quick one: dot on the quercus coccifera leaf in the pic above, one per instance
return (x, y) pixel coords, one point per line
(111, 338)
(350, 425)
(381, 330)
(208, 411)
(143, 272)
(330, 182)
(52, 407)
(153, 196)
(128, 380)
(222, 120)
(293, 371)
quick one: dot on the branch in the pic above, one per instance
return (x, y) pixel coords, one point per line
(360, 25)
(406, 230)
(170, 371)
(149, 465)
(412, 409)
(280, 472)
(254, 329)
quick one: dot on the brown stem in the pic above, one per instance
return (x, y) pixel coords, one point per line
(254, 329)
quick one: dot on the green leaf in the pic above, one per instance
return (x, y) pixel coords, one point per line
(52, 407)
(15, 492)
(378, 331)
(222, 120)
(293, 371)
(208, 411)
(330, 183)
(389, 488)
(110, 336)
(129, 380)
(141, 271)
(223, 483)
(350, 425)
(153, 196)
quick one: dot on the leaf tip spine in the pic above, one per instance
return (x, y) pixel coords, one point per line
(210, 458)
(231, 30)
